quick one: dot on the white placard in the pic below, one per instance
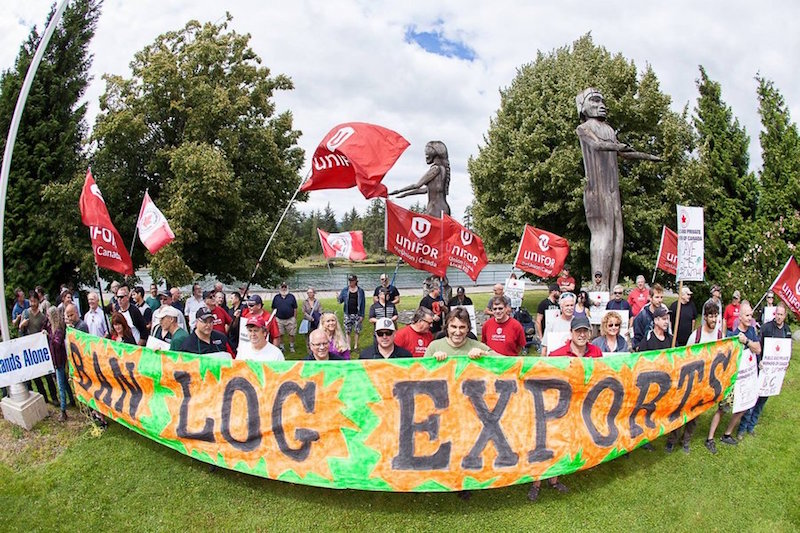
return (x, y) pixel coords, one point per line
(774, 362)
(473, 322)
(551, 315)
(515, 290)
(556, 339)
(270, 353)
(745, 390)
(599, 300)
(154, 343)
(25, 358)
(690, 244)
(769, 313)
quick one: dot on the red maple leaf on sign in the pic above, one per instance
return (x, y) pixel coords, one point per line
(750, 360)
(777, 348)
(683, 219)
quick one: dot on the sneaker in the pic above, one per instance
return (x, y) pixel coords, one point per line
(751, 432)
(62, 417)
(560, 487)
(533, 493)
(727, 439)
(669, 447)
(685, 447)
(740, 435)
(647, 446)
(712, 447)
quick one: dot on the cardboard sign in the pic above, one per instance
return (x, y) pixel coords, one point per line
(746, 389)
(691, 244)
(25, 358)
(515, 290)
(774, 363)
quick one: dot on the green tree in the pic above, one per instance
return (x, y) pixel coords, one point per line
(730, 208)
(530, 168)
(373, 226)
(48, 149)
(196, 125)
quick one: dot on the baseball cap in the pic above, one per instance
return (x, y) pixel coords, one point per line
(579, 322)
(208, 294)
(460, 290)
(715, 288)
(257, 321)
(598, 273)
(384, 276)
(166, 310)
(737, 295)
(255, 299)
(553, 287)
(661, 311)
(352, 277)
(283, 284)
(204, 314)
(687, 291)
(384, 324)
(163, 294)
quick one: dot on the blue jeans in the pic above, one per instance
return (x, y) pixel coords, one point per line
(61, 377)
(750, 418)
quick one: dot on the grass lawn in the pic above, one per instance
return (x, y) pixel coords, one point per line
(70, 477)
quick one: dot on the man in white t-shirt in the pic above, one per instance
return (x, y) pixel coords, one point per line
(708, 331)
(566, 302)
(258, 349)
(194, 304)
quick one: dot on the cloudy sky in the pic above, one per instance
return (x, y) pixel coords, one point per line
(433, 70)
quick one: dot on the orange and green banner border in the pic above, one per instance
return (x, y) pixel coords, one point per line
(404, 424)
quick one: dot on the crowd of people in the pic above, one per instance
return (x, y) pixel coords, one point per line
(213, 323)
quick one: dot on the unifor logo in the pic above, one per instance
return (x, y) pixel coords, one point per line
(466, 237)
(96, 191)
(339, 138)
(544, 242)
(420, 227)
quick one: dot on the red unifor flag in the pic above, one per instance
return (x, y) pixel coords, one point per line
(154, 230)
(787, 286)
(541, 253)
(416, 238)
(109, 251)
(348, 244)
(463, 248)
(355, 154)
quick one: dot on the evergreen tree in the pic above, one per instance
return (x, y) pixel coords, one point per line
(373, 226)
(530, 169)
(730, 209)
(48, 150)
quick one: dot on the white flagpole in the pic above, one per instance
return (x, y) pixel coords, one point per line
(9, 151)
(660, 247)
(136, 229)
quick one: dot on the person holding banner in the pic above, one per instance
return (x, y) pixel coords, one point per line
(610, 340)
(457, 342)
(566, 303)
(578, 344)
(747, 335)
(120, 330)
(205, 339)
(384, 346)
(56, 334)
(775, 328)
(339, 346)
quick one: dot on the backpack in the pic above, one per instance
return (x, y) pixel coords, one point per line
(700, 332)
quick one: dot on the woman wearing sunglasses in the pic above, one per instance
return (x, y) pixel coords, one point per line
(610, 339)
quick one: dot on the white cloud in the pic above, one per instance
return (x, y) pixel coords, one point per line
(349, 60)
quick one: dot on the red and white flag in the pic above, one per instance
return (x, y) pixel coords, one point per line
(355, 154)
(109, 250)
(463, 248)
(348, 244)
(416, 238)
(668, 251)
(154, 230)
(541, 253)
(787, 286)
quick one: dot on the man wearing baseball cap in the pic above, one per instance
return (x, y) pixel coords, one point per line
(598, 285)
(168, 328)
(730, 317)
(259, 348)
(658, 337)
(255, 307)
(578, 344)
(204, 339)
(222, 320)
(687, 319)
(384, 347)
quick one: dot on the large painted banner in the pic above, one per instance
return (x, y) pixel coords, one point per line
(404, 424)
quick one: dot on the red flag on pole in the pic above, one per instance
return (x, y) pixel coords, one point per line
(109, 251)
(154, 230)
(416, 238)
(787, 286)
(668, 251)
(463, 248)
(348, 244)
(355, 154)
(541, 253)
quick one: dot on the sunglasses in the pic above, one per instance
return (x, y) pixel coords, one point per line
(615, 292)
(612, 325)
(251, 304)
(384, 333)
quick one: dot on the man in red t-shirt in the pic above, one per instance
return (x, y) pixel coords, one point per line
(222, 320)
(731, 314)
(417, 336)
(502, 333)
(639, 296)
(578, 345)
(566, 283)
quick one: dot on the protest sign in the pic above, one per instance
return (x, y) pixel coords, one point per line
(25, 358)
(690, 244)
(401, 424)
(745, 392)
(515, 290)
(774, 363)
(769, 314)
